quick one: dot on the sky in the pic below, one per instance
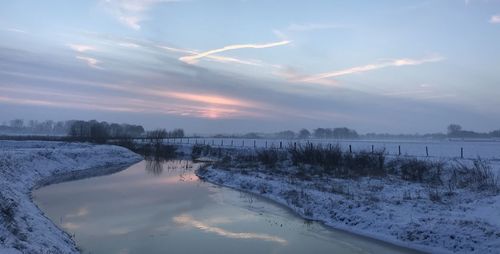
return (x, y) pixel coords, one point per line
(212, 66)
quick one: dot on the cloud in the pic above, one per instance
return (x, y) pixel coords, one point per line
(92, 62)
(15, 30)
(131, 12)
(495, 19)
(194, 58)
(322, 77)
(128, 45)
(311, 26)
(81, 47)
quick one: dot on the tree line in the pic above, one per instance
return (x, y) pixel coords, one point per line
(456, 131)
(19, 126)
(100, 132)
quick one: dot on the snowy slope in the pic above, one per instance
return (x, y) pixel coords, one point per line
(31, 164)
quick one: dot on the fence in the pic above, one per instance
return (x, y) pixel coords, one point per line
(451, 149)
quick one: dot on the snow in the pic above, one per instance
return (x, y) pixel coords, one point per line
(488, 148)
(385, 208)
(26, 165)
(388, 208)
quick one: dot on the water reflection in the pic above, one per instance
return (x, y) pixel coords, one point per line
(190, 221)
(159, 206)
(154, 165)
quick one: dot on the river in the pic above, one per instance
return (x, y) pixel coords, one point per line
(162, 207)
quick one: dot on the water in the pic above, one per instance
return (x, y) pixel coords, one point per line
(162, 207)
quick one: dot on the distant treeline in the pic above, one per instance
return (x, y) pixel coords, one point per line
(93, 131)
(337, 133)
(102, 131)
(49, 127)
(453, 131)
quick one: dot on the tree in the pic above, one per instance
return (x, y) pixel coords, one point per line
(495, 134)
(344, 133)
(176, 133)
(323, 133)
(17, 123)
(304, 133)
(157, 136)
(454, 129)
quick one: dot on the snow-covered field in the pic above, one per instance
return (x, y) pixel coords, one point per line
(25, 165)
(488, 148)
(388, 208)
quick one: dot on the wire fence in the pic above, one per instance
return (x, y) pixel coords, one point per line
(450, 149)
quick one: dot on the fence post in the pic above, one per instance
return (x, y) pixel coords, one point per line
(350, 149)
(231, 142)
(281, 145)
(294, 145)
(426, 151)
(188, 140)
(373, 150)
(461, 152)
(399, 150)
(222, 142)
(243, 143)
(204, 141)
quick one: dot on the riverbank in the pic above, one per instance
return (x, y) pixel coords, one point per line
(26, 165)
(443, 212)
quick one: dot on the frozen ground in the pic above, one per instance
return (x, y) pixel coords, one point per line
(411, 214)
(25, 165)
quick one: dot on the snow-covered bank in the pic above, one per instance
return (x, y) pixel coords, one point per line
(434, 219)
(31, 164)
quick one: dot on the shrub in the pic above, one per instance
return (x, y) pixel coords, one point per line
(418, 170)
(269, 157)
(479, 176)
(340, 164)
(328, 158)
(364, 164)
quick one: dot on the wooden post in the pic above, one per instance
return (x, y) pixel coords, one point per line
(426, 151)
(294, 145)
(461, 152)
(281, 145)
(243, 143)
(231, 142)
(204, 141)
(373, 150)
(188, 140)
(222, 142)
(399, 150)
(350, 149)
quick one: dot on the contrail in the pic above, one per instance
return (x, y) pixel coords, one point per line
(369, 67)
(194, 58)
